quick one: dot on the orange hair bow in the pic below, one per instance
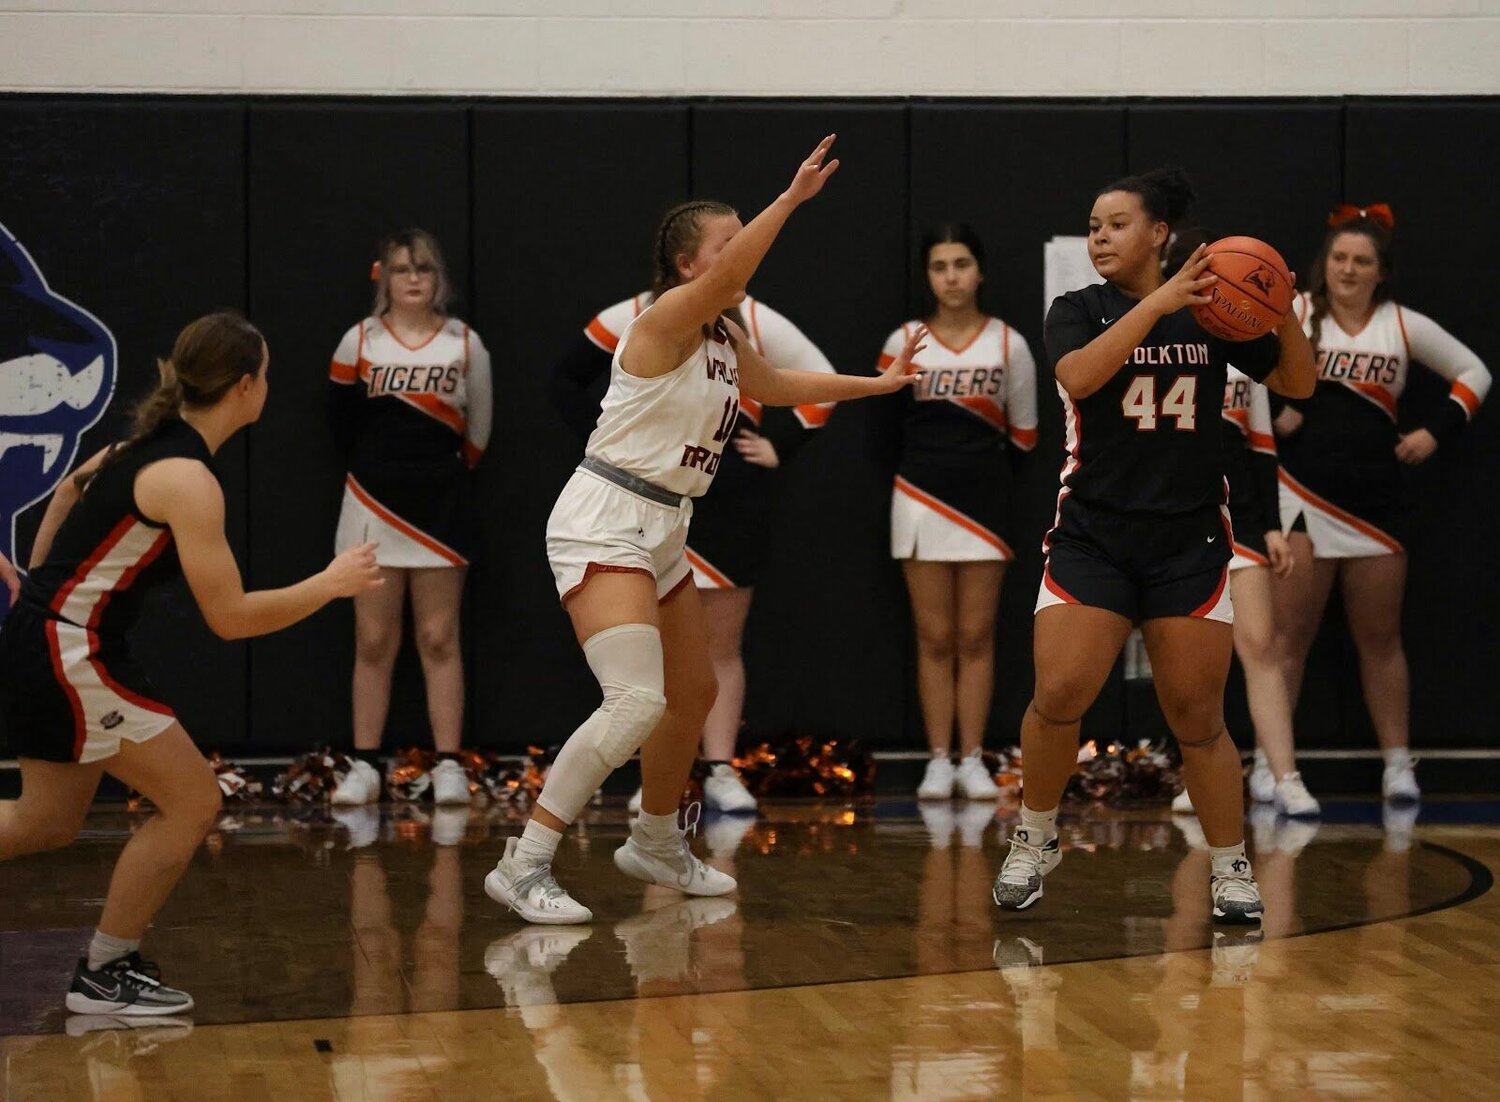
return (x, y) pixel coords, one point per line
(1375, 212)
(375, 272)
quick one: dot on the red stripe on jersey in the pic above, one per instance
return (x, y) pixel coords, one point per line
(1339, 514)
(1208, 606)
(596, 332)
(343, 373)
(1263, 442)
(1248, 553)
(437, 548)
(1055, 589)
(126, 580)
(472, 454)
(80, 725)
(751, 408)
(60, 598)
(1464, 397)
(949, 513)
(702, 566)
(1025, 439)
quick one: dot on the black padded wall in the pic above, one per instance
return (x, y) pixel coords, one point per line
(1020, 175)
(149, 211)
(135, 210)
(565, 202)
(326, 181)
(829, 616)
(1435, 162)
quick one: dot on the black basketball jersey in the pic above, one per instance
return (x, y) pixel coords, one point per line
(106, 555)
(1150, 439)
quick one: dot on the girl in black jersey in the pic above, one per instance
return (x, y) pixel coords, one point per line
(75, 703)
(1142, 533)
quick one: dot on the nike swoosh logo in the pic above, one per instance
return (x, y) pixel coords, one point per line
(103, 992)
(1210, 539)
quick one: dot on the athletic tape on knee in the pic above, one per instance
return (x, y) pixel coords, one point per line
(628, 662)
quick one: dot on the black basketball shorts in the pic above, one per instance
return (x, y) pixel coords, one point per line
(1138, 566)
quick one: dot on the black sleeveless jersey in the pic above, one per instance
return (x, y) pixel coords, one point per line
(1150, 440)
(106, 556)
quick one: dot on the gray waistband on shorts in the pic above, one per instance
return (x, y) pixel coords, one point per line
(627, 481)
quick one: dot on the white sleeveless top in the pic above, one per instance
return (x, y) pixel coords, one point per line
(670, 430)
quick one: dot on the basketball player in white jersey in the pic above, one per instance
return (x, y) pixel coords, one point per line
(733, 524)
(410, 407)
(1340, 467)
(616, 541)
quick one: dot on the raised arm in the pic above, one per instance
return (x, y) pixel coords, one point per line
(670, 329)
(774, 387)
(63, 499)
(185, 496)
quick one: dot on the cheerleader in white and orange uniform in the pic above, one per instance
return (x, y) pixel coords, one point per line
(410, 406)
(977, 394)
(1340, 456)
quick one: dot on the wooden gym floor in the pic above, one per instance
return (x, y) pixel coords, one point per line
(358, 959)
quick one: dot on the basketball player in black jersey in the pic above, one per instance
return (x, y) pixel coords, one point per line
(1142, 534)
(75, 703)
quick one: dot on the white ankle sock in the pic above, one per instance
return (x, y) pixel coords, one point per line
(103, 949)
(538, 844)
(660, 830)
(1038, 824)
(1397, 756)
(1229, 860)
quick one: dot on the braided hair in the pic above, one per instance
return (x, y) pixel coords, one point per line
(681, 232)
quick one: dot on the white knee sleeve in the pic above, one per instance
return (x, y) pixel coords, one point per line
(627, 660)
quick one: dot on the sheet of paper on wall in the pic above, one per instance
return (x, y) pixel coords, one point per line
(1065, 267)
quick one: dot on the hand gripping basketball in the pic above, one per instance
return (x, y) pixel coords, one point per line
(812, 173)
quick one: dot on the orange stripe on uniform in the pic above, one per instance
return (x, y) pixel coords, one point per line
(601, 336)
(442, 550)
(342, 373)
(952, 514)
(815, 415)
(1339, 514)
(1464, 397)
(436, 408)
(1025, 439)
(472, 454)
(1262, 442)
(717, 578)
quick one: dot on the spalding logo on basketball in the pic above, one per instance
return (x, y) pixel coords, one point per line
(1254, 291)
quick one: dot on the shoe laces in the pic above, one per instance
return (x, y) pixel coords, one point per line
(131, 967)
(549, 892)
(1236, 887)
(1024, 862)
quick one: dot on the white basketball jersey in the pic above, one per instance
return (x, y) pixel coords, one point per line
(670, 430)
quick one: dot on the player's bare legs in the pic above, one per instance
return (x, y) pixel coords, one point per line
(1075, 647)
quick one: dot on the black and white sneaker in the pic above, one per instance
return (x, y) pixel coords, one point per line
(1236, 896)
(128, 986)
(1019, 884)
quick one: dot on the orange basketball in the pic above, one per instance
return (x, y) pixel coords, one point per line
(1254, 291)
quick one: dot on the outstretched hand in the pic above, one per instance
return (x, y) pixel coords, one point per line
(902, 371)
(1189, 286)
(812, 173)
(354, 572)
